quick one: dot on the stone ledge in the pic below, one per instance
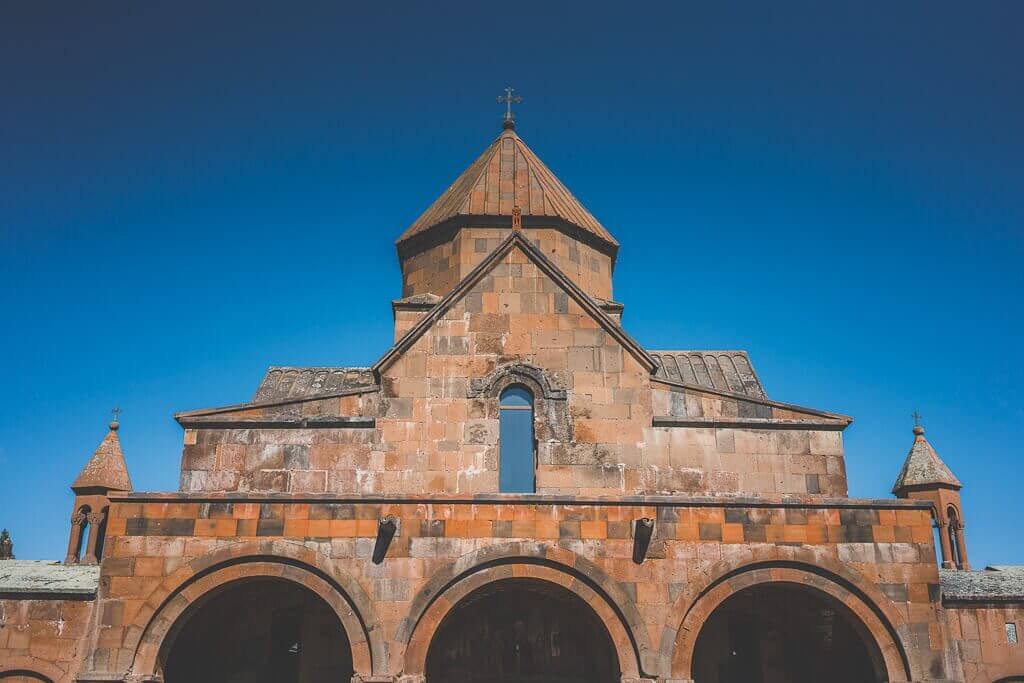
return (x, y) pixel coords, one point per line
(747, 423)
(289, 422)
(529, 499)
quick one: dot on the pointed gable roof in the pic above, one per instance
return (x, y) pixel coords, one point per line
(514, 240)
(924, 467)
(506, 175)
(106, 468)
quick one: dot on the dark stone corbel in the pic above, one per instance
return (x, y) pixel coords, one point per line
(643, 532)
(387, 529)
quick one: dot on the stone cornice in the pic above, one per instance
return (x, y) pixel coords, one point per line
(748, 423)
(722, 501)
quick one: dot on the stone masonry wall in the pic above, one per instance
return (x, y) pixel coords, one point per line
(436, 431)
(436, 270)
(979, 635)
(885, 553)
(43, 635)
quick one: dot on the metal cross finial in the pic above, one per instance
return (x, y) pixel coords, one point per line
(917, 418)
(508, 99)
(116, 412)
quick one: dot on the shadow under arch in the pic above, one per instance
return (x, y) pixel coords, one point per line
(272, 559)
(524, 559)
(883, 629)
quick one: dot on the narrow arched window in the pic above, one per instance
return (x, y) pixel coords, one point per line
(516, 461)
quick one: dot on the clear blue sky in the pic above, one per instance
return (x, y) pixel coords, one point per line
(190, 193)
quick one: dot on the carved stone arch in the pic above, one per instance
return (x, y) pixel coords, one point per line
(887, 628)
(26, 665)
(279, 559)
(539, 381)
(542, 561)
(553, 422)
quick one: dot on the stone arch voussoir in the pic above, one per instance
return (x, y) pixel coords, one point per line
(539, 381)
(282, 559)
(800, 566)
(523, 559)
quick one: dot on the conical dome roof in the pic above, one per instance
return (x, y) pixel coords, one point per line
(106, 468)
(924, 467)
(508, 174)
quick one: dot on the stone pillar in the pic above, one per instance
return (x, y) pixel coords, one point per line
(963, 548)
(77, 521)
(945, 547)
(95, 528)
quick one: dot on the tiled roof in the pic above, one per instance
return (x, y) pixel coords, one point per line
(723, 370)
(1004, 582)
(923, 466)
(44, 576)
(287, 382)
(106, 468)
(506, 175)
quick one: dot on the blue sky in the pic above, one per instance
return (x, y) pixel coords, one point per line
(189, 193)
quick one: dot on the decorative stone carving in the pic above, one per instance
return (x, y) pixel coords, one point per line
(513, 373)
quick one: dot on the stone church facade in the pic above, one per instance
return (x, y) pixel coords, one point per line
(517, 490)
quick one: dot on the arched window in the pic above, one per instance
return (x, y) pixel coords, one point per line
(516, 460)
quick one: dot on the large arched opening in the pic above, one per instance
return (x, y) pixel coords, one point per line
(522, 630)
(257, 630)
(785, 633)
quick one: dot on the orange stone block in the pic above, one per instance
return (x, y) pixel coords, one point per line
(344, 528)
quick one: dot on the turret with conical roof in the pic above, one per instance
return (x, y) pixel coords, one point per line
(105, 472)
(106, 469)
(925, 476)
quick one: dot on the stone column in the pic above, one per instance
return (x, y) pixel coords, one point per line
(77, 520)
(95, 528)
(945, 547)
(963, 547)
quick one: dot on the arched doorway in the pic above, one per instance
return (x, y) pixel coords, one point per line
(785, 633)
(522, 631)
(259, 630)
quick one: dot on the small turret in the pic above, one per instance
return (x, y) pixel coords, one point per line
(925, 477)
(105, 472)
